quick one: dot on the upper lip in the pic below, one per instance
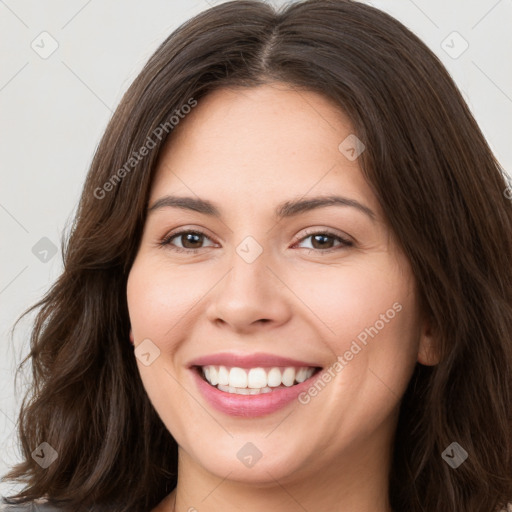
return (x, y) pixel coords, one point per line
(256, 360)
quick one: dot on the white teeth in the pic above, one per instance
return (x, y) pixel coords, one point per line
(242, 391)
(214, 376)
(238, 378)
(223, 376)
(274, 377)
(289, 377)
(301, 375)
(255, 380)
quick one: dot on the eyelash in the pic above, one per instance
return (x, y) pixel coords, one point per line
(166, 241)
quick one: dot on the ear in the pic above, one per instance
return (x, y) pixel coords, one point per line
(131, 337)
(428, 349)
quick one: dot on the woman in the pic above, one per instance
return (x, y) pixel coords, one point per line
(195, 354)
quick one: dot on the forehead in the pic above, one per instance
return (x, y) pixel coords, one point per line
(260, 142)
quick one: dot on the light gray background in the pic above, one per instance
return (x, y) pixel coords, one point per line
(54, 111)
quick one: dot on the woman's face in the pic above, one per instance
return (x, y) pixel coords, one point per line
(320, 287)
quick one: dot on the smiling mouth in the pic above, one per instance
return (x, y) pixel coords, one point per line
(254, 381)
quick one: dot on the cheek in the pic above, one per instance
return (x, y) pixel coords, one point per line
(373, 335)
(160, 299)
(368, 319)
(361, 302)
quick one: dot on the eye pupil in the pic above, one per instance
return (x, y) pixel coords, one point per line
(188, 237)
(320, 236)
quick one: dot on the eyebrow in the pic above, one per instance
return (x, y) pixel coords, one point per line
(284, 210)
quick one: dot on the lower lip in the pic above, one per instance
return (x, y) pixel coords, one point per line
(249, 406)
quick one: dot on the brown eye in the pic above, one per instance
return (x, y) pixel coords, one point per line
(190, 241)
(323, 241)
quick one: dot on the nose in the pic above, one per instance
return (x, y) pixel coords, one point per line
(250, 296)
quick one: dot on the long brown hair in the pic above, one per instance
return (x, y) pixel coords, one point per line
(440, 188)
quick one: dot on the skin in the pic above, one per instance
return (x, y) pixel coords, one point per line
(248, 150)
